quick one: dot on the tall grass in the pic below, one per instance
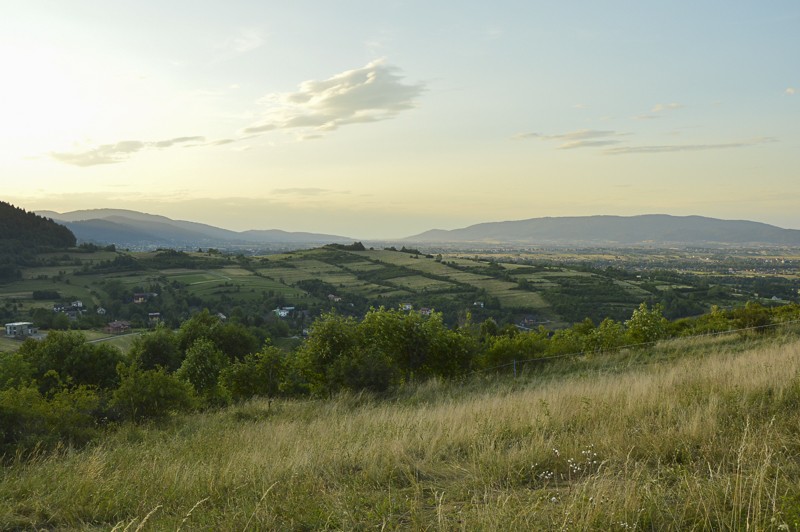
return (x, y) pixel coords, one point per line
(708, 441)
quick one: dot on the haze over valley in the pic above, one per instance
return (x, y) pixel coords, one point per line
(131, 229)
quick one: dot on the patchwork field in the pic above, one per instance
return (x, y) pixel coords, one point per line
(543, 286)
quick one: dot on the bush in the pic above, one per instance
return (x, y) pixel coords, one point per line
(14, 371)
(73, 359)
(259, 374)
(149, 394)
(158, 348)
(201, 368)
(28, 420)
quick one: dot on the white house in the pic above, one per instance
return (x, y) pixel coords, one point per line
(20, 329)
(283, 312)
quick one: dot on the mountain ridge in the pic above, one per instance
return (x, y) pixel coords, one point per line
(137, 229)
(615, 230)
(128, 228)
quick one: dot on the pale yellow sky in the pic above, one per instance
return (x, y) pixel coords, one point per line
(386, 120)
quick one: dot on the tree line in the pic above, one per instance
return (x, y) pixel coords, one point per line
(63, 389)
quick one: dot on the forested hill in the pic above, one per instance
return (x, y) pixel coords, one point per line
(20, 229)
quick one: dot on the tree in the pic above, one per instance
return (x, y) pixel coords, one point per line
(752, 316)
(201, 325)
(608, 336)
(234, 339)
(646, 324)
(158, 348)
(14, 371)
(72, 359)
(258, 374)
(201, 368)
(331, 337)
(152, 393)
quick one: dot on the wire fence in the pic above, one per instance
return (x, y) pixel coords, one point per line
(521, 363)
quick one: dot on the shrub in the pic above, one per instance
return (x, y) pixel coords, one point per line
(259, 374)
(201, 368)
(148, 394)
(29, 420)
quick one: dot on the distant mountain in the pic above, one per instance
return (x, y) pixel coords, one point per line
(650, 229)
(19, 227)
(135, 229)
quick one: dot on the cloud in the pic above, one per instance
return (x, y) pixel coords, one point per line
(178, 140)
(244, 41)
(120, 151)
(303, 191)
(582, 138)
(660, 107)
(372, 93)
(790, 91)
(669, 148)
(586, 144)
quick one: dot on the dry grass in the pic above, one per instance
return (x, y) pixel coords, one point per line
(707, 442)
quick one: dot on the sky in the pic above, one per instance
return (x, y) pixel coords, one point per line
(384, 119)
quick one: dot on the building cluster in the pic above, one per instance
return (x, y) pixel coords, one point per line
(73, 309)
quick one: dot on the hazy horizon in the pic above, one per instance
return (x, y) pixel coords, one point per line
(400, 235)
(383, 120)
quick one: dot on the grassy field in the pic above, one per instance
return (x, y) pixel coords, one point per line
(692, 434)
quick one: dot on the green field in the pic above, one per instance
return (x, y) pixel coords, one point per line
(512, 285)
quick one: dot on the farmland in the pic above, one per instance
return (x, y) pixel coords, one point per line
(552, 287)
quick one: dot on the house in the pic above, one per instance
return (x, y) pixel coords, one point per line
(406, 306)
(334, 298)
(154, 317)
(425, 311)
(283, 312)
(74, 309)
(478, 304)
(118, 327)
(20, 329)
(101, 311)
(143, 297)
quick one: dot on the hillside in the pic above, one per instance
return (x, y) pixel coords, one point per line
(22, 234)
(19, 227)
(651, 230)
(687, 435)
(138, 230)
(553, 289)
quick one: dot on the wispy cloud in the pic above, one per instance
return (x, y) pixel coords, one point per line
(659, 109)
(587, 144)
(669, 148)
(372, 93)
(120, 151)
(790, 91)
(582, 138)
(246, 40)
(303, 191)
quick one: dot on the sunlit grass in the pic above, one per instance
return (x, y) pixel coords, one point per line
(695, 434)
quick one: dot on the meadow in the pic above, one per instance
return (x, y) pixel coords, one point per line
(688, 434)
